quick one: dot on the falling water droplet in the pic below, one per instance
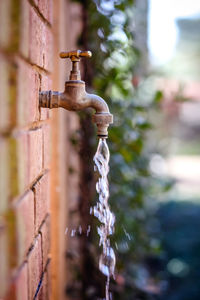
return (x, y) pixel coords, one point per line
(73, 232)
(107, 262)
(127, 234)
(88, 230)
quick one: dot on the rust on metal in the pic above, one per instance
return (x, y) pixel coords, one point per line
(77, 54)
(75, 97)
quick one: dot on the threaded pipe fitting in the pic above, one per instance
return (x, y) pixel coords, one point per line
(102, 121)
(49, 99)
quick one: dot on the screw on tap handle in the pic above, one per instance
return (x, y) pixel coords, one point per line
(75, 55)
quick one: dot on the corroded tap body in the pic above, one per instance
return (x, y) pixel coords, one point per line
(75, 97)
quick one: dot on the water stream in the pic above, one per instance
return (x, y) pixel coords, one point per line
(102, 211)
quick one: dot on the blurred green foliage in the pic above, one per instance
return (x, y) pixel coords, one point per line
(157, 254)
(132, 188)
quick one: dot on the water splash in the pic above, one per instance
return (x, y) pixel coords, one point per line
(102, 211)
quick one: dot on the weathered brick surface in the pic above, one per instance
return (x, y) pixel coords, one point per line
(22, 283)
(4, 259)
(46, 146)
(34, 267)
(40, 41)
(4, 95)
(48, 271)
(28, 94)
(25, 65)
(25, 49)
(26, 52)
(13, 168)
(10, 222)
(35, 38)
(5, 28)
(41, 191)
(43, 292)
(24, 28)
(8, 74)
(45, 233)
(18, 163)
(19, 288)
(4, 175)
(35, 153)
(45, 7)
(22, 161)
(25, 224)
(36, 2)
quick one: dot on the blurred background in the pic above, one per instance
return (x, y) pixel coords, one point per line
(145, 63)
(150, 74)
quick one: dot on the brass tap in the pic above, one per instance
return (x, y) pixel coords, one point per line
(75, 97)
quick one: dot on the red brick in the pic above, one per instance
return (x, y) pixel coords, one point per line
(4, 260)
(45, 232)
(34, 267)
(5, 28)
(36, 2)
(50, 11)
(46, 8)
(8, 78)
(35, 153)
(28, 94)
(43, 292)
(13, 168)
(22, 174)
(24, 28)
(18, 163)
(41, 190)
(19, 287)
(35, 38)
(22, 283)
(40, 42)
(4, 175)
(4, 95)
(46, 146)
(10, 220)
(48, 49)
(48, 270)
(10, 25)
(25, 224)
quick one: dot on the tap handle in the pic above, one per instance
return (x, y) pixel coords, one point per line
(76, 55)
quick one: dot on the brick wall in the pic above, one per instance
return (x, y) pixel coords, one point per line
(28, 191)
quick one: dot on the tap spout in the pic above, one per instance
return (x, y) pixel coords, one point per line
(98, 103)
(102, 116)
(75, 98)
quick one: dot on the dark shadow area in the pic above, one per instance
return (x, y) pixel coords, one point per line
(180, 238)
